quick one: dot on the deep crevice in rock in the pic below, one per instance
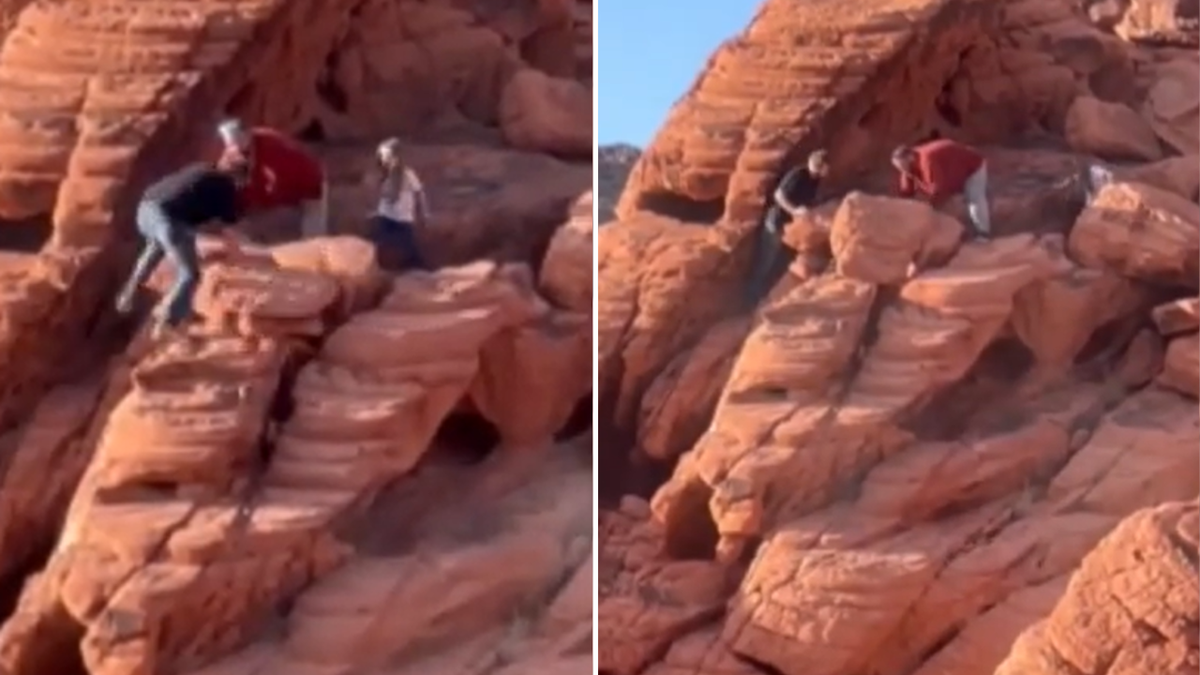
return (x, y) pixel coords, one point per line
(26, 235)
(1108, 341)
(578, 422)
(280, 410)
(313, 132)
(682, 208)
(952, 411)
(56, 647)
(466, 437)
(329, 89)
(13, 583)
(945, 106)
(690, 531)
(613, 449)
(760, 666)
(540, 245)
(1004, 360)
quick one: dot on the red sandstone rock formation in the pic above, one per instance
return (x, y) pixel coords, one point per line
(1132, 607)
(933, 457)
(332, 471)
(205, 506)
(87, 127)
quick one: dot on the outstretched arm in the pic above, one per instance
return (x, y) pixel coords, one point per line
(422, 205)
(228, 215)
(786, 187)
(420, 201)
(935, 183)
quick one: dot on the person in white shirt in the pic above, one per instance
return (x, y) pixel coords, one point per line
(402, 210)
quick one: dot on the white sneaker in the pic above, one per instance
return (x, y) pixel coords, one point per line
(125, 303)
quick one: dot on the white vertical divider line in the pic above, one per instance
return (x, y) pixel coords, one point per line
(595, 338)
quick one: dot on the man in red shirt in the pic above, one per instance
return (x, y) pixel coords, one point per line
(283, 174)
(941, 169)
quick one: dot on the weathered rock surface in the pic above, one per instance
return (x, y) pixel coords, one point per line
(936, 456)
(1172, 105)
(478, 589)
(566, 276)
(1130, 608)
(88, 127)
(487, 201)
(164, 507)
(1110, 130)
(203, 493)
(547, 114)
(1140, 232)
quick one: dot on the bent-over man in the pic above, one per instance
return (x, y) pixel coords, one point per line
(941, 169)
(795, 194)
(171, 213)
(283, 174)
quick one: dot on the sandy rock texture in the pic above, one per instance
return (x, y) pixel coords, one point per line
(329, 472)
(88, 127)
(269, 491)
(926, 455)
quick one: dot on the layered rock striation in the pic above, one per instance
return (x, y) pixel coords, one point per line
(924, 455)
(264, 493)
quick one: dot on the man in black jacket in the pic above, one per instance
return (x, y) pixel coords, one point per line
(795, 193)
(169, 216)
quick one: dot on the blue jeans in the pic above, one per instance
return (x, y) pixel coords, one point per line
(163, 237)
(396, 243)
(771, 256)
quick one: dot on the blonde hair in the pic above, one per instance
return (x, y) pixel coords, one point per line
(389, 147)
(394, 175)
(817, 160)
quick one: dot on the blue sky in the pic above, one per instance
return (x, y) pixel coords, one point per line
(649, 52)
